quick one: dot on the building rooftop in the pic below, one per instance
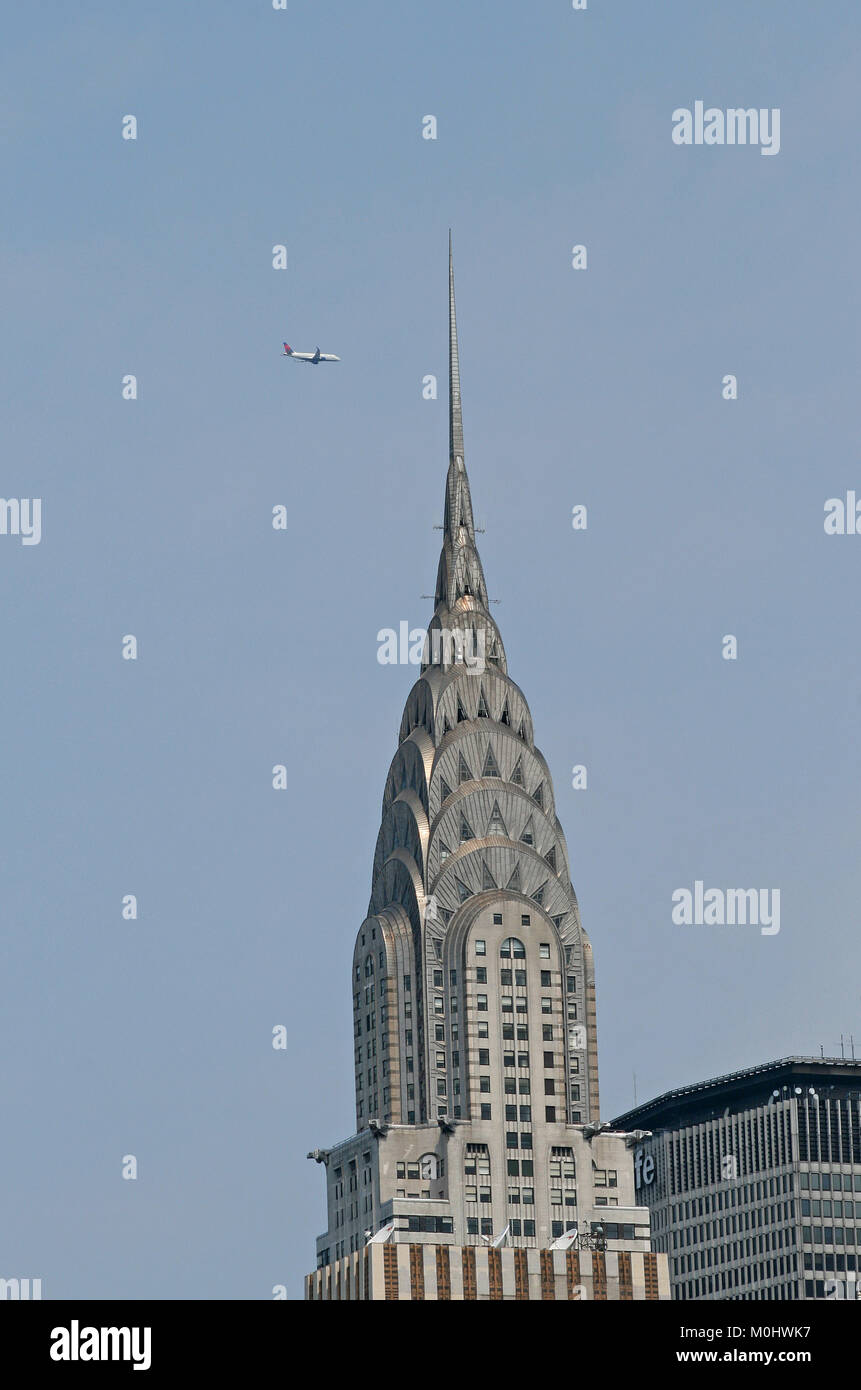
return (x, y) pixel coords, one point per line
(750, 1086)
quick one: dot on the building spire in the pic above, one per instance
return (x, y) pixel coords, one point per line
(455, 418)
(459, 526)
(460, 568)
(460, 585)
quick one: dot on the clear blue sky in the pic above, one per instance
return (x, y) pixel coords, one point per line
(599, 387)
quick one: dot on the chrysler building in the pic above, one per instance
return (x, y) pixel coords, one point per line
(473, 994)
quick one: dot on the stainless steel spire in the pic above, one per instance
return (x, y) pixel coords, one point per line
(455, 418)
(460, 576)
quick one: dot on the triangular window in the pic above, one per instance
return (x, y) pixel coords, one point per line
(465, 829)
(491, 768)
(505, 717)
(482, 705)
(446, 914)
(550, 856)
(486, 877)
(463, 772)
(538, 795)
(528, 836)
(521, 732)
(557, 922)
(462, 891)
(446, 727)
(461, 712)
(514, 882)
(444, 788)
(538, 895)
(497, 824)
(444, 851)
(517, 774)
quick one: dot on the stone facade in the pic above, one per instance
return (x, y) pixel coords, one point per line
(464, 1183)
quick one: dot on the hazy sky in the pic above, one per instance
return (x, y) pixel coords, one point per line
(599, 387)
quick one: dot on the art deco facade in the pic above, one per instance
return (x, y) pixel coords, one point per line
(473, 990)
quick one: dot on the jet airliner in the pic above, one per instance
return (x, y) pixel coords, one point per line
(312, 357)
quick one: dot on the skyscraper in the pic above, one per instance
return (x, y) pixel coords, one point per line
(753, 1181)
(472, 979)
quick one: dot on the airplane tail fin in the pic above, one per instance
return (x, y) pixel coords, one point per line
(288, 351)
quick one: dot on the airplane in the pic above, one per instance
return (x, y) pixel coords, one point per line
(312, 357)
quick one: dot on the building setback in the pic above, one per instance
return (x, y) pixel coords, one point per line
(754, 1181)
(473, 993)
